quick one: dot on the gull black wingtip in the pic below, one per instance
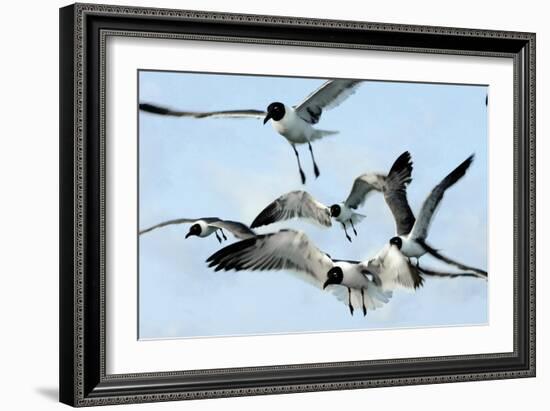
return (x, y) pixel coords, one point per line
(404, 161)
(266, 216)
(465, 165)
(151, 108)
(224, 257)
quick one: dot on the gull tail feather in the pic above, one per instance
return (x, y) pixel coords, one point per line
(318, 134)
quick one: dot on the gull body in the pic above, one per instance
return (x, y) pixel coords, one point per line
(294, 128)
(411, 248)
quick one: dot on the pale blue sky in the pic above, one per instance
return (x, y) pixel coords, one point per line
(232, 168)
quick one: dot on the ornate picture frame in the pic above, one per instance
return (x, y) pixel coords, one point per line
(84, 30)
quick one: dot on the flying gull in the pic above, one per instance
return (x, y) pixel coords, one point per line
(361, 285)
(294, 123)
(411, 233)
(203, 227)
(303, 205)
(293, 251)
(388, 270)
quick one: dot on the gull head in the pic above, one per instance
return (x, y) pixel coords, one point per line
(335, 210)
(275, 111)
(396, 241)
(194, 230)
(334, 276)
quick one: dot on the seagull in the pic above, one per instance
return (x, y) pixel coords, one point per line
(294, 123)
(411, 233)
(293, 250)
(366, 285)
(203, 227)
(388, 270)
(304, 205)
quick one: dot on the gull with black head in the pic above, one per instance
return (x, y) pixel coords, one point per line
(301, 204)
(387, 271)
(293, 251)
(294, 123)
(411, 232)
(206, 226)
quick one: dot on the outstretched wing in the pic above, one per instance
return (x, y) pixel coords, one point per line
(164, 111)
(284, 250)
(420, 228)
(395, 193)
(329, 95)
(239, 230)
(448, 274)
(294, 204)
(435, 253)
(362, 186)
(169, 222)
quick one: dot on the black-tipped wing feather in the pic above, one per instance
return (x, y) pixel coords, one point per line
(285, 250)
(329, 95)
(446, 274)
(164, 111)
(294, 204)
(435, 253)
(420, 229)
(362, 186)
(395, 193)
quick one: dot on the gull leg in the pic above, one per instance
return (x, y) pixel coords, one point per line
(218, 237)
(352, 226)
(302, 175)
(223, 234)
(349, 301)
(363, 301)
(315, 168)
(346, 231)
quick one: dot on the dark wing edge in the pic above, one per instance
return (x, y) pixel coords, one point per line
(165, 223)
(418, 281)
(269, 215)
(361, 189)
(435, 253)
(239, 256)
(338, 90)
(443, 274)
(290, 205)
(395, 193)
(436, 195)
(164, 111)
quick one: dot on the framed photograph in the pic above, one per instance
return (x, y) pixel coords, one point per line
(260, 204)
